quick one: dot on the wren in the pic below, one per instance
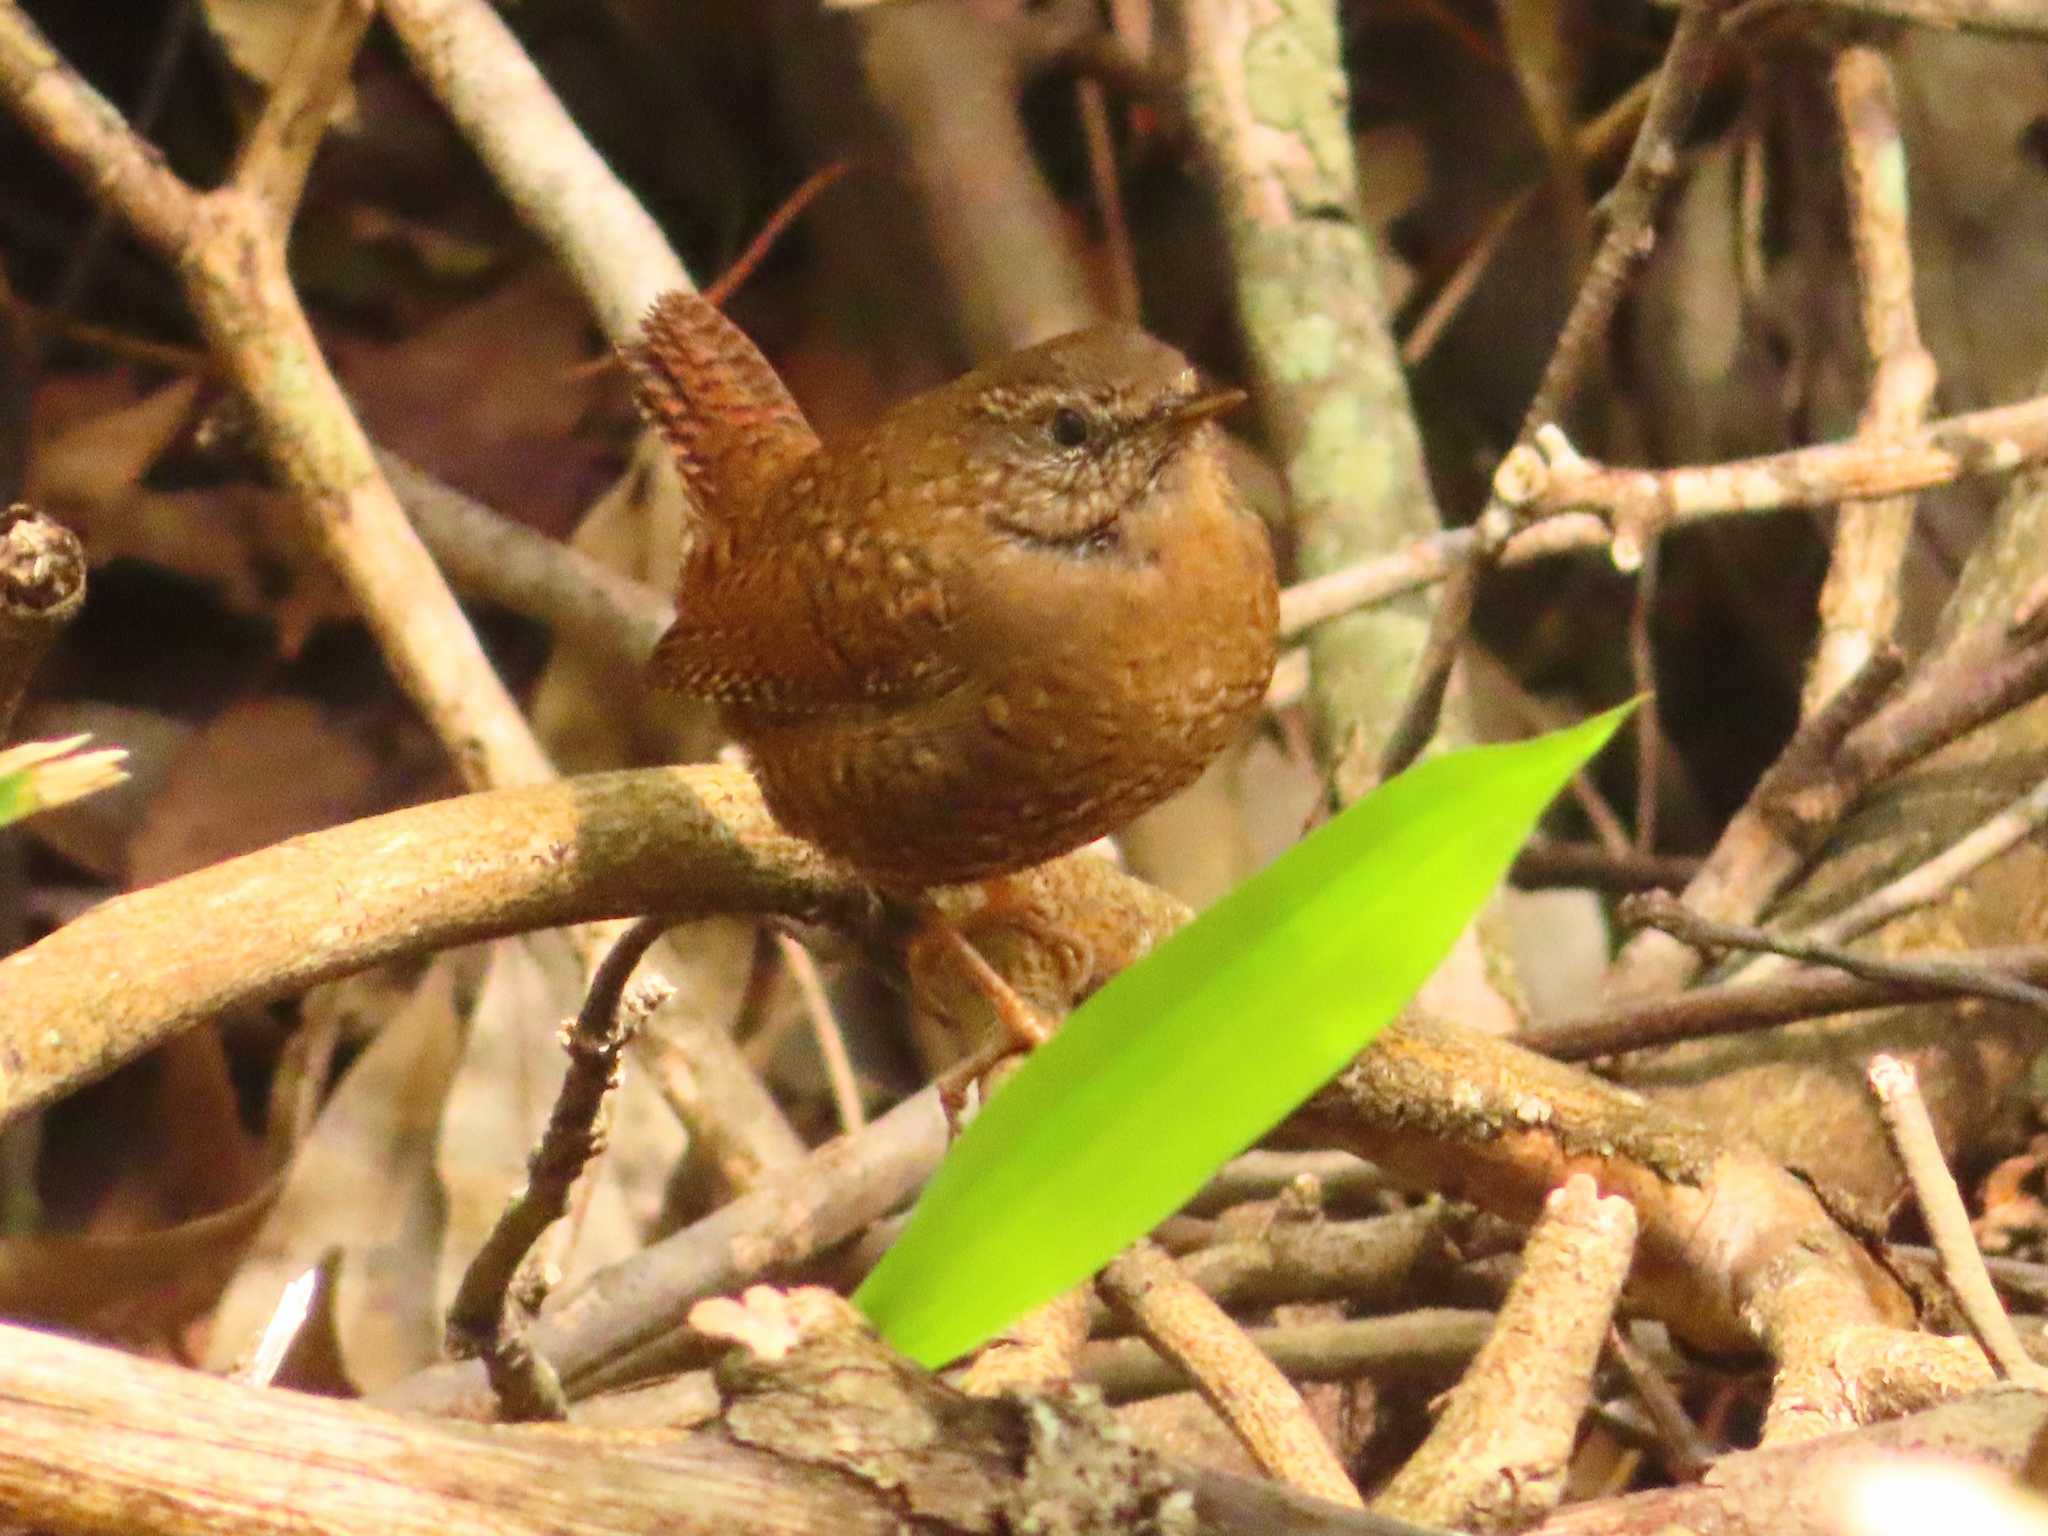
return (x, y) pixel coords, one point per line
(1012, 614)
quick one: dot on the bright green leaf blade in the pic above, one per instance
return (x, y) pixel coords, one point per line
(1186, 1059)
(40, 774)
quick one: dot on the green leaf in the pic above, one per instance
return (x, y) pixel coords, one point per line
(40, 774)
(1188, 1058)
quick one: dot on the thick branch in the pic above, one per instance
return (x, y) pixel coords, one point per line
(274, 922)
(1267, 93)
(96, 1441)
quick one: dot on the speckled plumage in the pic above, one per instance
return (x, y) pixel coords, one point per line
(1010, 616)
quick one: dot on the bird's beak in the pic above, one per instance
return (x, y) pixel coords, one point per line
(1206, 406)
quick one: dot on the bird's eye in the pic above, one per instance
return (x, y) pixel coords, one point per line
(1069, 427)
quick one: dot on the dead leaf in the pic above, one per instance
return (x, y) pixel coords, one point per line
(155, 1279)
(264, 770)
(100, 457)
(364, 1184)
(489, 398)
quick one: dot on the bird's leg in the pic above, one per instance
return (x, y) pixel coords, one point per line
(1025, 1026)
(1006, 903)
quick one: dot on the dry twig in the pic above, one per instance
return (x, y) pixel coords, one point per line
(825, 1030)
(1836, 757)
(1926, 883)
(1749, 1003)
(1497, 1456)
(1423, 1349)
(561, 186)
(1258, 1403)
(1548, 475)
(1859, 603)
(479, 1323)
(1628, 212)
(1941, 1203)
(227, 247)
(1662, 910)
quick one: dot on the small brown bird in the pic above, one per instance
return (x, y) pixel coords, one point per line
(1007, 618)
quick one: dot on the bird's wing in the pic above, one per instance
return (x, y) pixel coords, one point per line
(798, 632)
(774, 610)
(746, 632)
(734, 429)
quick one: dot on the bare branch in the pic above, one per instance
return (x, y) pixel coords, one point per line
(1941, 1203)
(82, 128)
(1258, 1403)
(1548, 475)
(561, 186)
(1497, 1456)
(1859, 603)
(279, 152)
(1660, 909)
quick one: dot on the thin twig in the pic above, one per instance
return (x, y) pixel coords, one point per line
(1686, 1452)
(622, 1324)
(1425, 560)
(1548, 475)
(1642, 665)
(478, 1321)
(1897, 1090)
(1928, 882)
(1535, 715)
(279, 152)
(1833, 760)
(1258, 1403)
(1417, 720)
(792, 208)
(825, 1030)
(1545, 862)
(1091, 103)
(1596, 139)
(1859, 602)
(1629, 211)
(1662, 910)
(1427, 1347)
(84, 131)
(58, 319)
(1739, 1007)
